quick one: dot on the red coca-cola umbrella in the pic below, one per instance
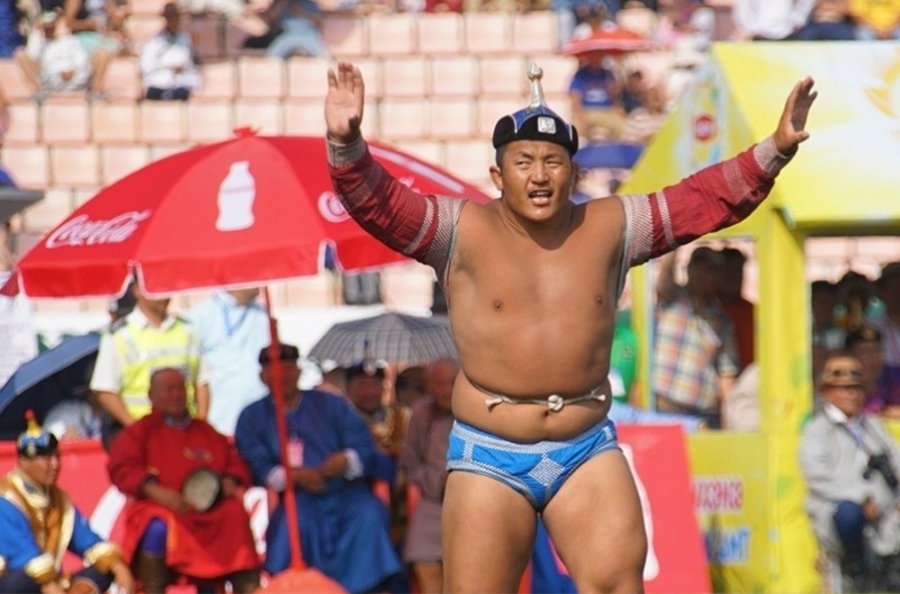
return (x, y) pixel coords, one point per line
(246, 211)
(250, 210)
(612, 41)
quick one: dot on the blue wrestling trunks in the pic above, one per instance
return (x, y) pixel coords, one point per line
(536, 470)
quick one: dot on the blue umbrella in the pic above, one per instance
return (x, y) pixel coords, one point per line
(60, 373)
(608, 155)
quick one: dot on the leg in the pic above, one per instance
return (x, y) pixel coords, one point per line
(487, 532)
(244, 582)
(430, 576)
(597, 526)
(16, 580)
(29, 67)
(150, 566)
(849, 522)
(90, 581)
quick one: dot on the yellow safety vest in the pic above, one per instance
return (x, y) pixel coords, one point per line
(143, 350)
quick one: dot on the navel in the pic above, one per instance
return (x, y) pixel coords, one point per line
(497, 304)
(599, 299)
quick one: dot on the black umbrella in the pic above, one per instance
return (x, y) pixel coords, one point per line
(61, 373)
(391, 337)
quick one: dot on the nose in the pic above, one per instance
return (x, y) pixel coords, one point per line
(539, 172)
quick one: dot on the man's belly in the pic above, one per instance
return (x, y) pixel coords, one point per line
(526, 421)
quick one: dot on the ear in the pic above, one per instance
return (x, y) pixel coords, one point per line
(497, 177)
(577, 174)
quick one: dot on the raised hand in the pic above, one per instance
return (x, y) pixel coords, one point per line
(792, 126)
(344, 102)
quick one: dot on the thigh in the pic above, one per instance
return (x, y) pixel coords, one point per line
(488, 534)
(429, 576)
(597, 526)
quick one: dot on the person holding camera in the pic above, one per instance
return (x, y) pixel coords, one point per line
(850, 464)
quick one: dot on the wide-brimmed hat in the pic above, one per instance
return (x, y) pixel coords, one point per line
(841, 372)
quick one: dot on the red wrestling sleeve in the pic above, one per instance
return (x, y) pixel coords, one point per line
(711, 199)
(416, 225)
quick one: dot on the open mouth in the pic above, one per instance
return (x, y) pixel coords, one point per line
(540, 197)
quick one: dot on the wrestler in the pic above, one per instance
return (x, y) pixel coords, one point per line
(532, 282)
(39, 524)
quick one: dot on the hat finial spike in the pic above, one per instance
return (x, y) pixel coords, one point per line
(535, 74)
(32, 425)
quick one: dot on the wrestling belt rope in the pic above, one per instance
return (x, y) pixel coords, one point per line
(202, 489)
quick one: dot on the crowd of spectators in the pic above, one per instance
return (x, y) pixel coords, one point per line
(35, 31)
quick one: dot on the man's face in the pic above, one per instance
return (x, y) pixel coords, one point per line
(844, 370)
(290, 376)
(848, 399)
(703, 278)
(439, 382)
(157, 306)
(535, 179)
(44, 470)
(168, 393)
(365, 392)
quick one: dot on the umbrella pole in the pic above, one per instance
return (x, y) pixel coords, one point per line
(290, 501)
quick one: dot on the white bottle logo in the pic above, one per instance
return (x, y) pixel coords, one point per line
(236, 195)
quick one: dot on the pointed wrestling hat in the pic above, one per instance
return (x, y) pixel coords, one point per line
(536, 122)
(35, 440)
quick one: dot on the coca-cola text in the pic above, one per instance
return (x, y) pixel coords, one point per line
(81, 230)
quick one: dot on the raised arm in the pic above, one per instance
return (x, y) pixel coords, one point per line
(720, 195)
(417, 226)
(791, 129)
(344, 103)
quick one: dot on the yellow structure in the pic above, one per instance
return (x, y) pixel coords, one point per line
(844, 181)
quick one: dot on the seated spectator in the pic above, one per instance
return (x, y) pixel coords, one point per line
(887, 288)
(40, 524)
(826, 332)
(741, 409)
(695, 356)
(99, 25)
(882, 383)
(591, 16)
(53, 60)
(738, 308)
(334, 378)
(186, 484)
(768, 20)
(646, 109)
(855, 300)
(876, 19)
(74, 419)
(294, 29)
(11, 21)
(244, 15)
(343, 525)
(168, 62)
(596, 99)
(423, 460)
(829, 20)
(636, 16)
(850, 463)
(387, 424)
(409, 385)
